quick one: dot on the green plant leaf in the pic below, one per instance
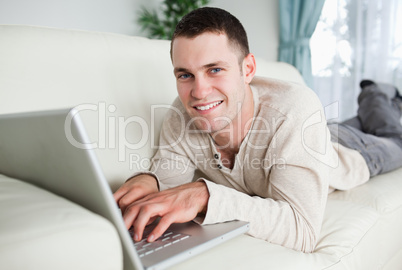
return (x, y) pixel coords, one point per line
(173, 11)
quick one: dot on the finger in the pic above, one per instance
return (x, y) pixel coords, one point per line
(131, 191)
(128, 198)
(117, 197)
(162, 226)
(118, 194)
(122, 196)
(125, 202)
(144, 216)
(130, 214)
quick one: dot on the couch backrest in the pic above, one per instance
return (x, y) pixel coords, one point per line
(122, 86)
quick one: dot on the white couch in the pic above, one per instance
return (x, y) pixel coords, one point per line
(119, 82)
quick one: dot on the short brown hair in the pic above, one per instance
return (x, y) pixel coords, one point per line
(214, 20)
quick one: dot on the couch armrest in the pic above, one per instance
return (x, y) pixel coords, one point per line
(39, 230)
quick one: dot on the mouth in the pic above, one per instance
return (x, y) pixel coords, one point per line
(208, 106)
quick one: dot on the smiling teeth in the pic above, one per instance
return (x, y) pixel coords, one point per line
(204, 108)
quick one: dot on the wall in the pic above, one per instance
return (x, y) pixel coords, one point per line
(259, 17)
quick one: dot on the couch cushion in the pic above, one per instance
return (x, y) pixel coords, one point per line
(344, 228)
(383, 192)
(376, 247)
(39, 230)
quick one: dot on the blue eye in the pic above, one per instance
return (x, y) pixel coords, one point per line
(184, 76)
(215, 70)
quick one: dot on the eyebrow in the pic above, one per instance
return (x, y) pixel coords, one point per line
(214, 64)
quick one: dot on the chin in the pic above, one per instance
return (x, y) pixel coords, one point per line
(203, 127)
(212, 128)
(206, 125)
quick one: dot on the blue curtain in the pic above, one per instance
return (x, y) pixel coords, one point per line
(298, 19)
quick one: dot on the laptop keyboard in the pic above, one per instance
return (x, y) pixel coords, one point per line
(167, 239)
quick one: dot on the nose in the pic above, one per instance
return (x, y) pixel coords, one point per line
(201, 88)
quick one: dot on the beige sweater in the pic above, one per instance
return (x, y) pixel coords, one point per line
(283, 171)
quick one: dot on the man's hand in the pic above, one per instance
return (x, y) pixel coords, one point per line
(134, 189)
(175, 205)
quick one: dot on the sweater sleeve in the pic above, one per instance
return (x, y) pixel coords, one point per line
(292, 214)
(272, 220)
(277, 221)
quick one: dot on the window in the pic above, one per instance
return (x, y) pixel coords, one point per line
(355, 40)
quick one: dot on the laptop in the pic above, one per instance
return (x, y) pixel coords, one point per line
(36, 147)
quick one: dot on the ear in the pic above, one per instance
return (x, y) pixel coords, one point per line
(249, 68)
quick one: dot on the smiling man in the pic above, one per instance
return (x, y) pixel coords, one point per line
(262, 145)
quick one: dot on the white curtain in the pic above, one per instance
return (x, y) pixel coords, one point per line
(355, 40)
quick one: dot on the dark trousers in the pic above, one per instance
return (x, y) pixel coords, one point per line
(376, 131)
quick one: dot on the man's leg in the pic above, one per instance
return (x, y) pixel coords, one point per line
(390, 91)
(379, 115)
(354, 122)
(381, 154)
(380, 139)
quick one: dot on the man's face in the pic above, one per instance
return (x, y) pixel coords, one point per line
(210, 82)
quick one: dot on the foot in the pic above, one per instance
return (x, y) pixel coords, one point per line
(397, 103)
(365, 83)
(398, 95)
(388, 89)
